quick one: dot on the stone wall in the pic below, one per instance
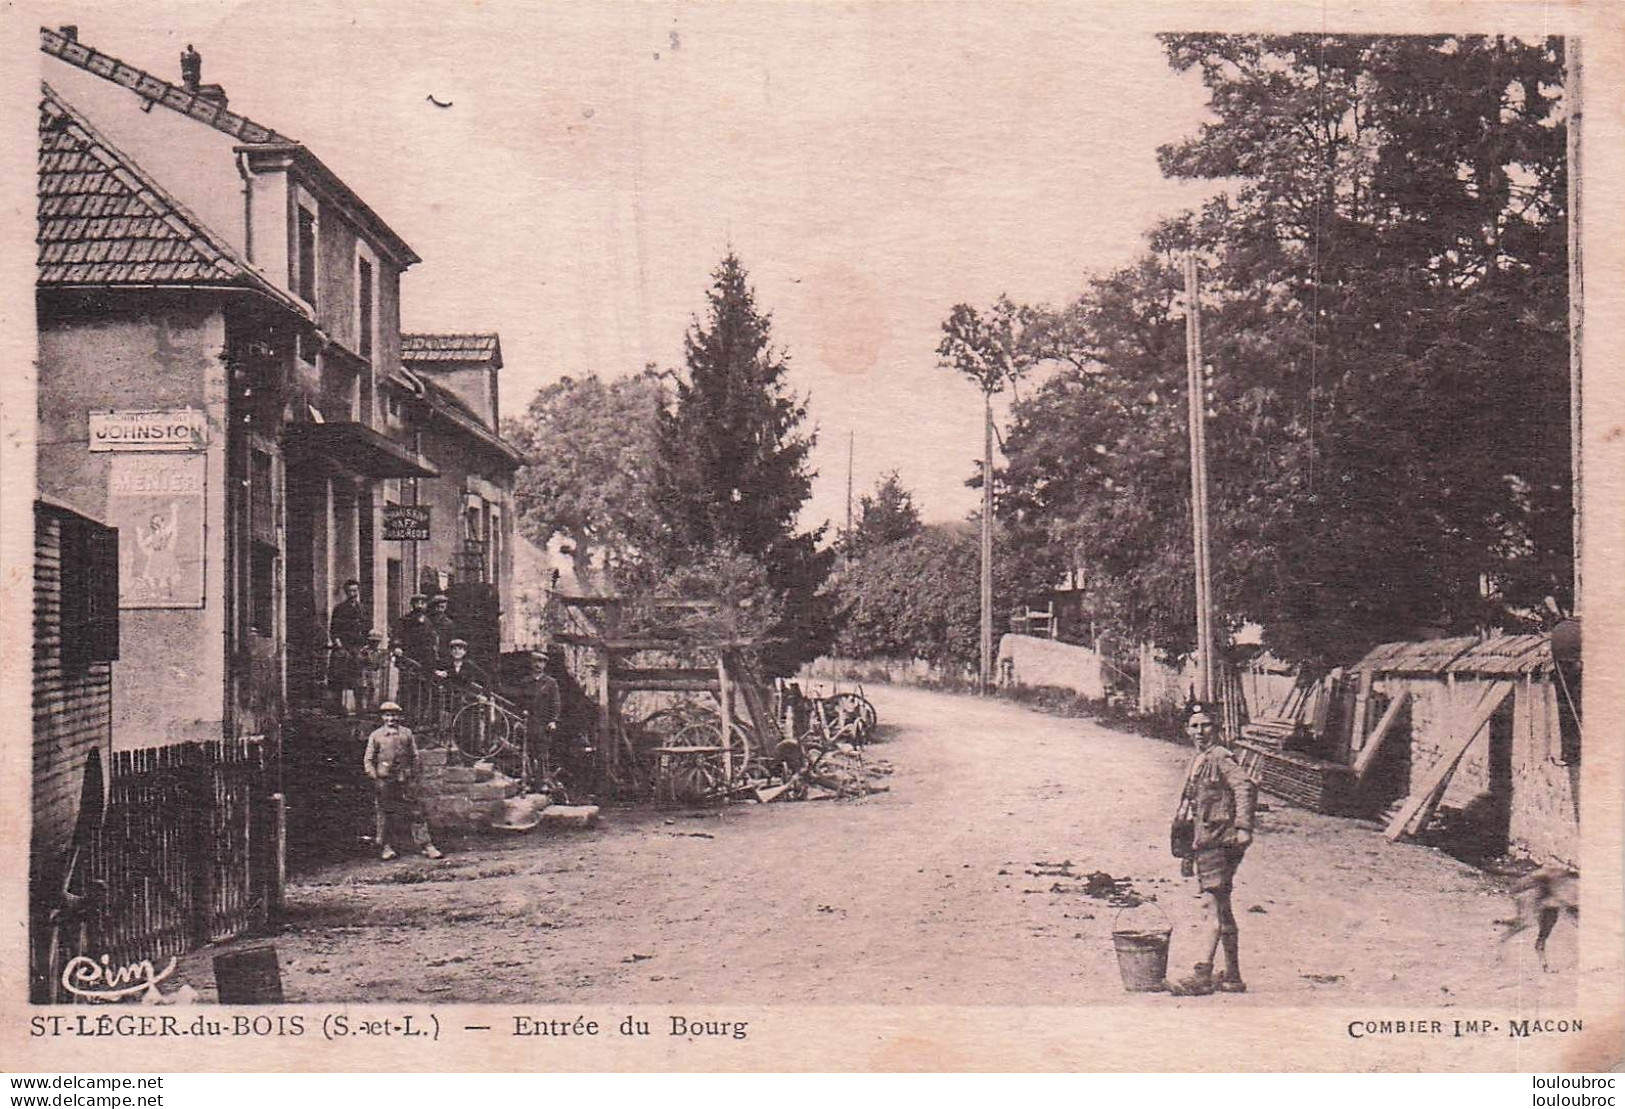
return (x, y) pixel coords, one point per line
(458, 796)
(1030, 661)
(895, 671)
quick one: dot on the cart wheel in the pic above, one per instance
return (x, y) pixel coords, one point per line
(699, 776)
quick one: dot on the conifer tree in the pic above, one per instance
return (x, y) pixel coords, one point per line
(733, 474)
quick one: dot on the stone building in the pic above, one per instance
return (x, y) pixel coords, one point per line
(444, 402)
(222, 397)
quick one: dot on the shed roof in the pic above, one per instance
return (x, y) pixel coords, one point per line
(469, 347)
(1503, 655)
(104, 221)
(1507, 654)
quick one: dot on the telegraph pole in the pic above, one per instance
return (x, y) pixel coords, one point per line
(985, 684)
(1572, 81)
(1196, 387)
(851, 438)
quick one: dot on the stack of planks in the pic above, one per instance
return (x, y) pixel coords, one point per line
(1309, 783)
(1273, 733)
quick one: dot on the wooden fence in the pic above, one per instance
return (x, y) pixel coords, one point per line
(185, 854)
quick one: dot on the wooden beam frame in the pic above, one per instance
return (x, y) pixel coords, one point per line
(1367, 757)
(1413, 815)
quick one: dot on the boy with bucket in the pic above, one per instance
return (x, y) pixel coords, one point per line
(1212, 828)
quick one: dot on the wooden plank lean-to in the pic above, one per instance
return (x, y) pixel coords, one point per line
(1357, 719)
(1368, 754)
(1420, 805)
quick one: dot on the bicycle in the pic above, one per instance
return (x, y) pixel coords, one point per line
(483, 729)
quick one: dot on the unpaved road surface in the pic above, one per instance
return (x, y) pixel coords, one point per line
(922, 895)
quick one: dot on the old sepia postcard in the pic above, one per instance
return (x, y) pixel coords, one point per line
(873, 536)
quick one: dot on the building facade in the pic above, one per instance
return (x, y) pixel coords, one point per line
(443, 402)
(222, 390)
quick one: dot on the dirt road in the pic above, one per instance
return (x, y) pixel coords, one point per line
(923, 895)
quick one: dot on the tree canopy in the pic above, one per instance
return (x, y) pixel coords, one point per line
(1385, 322)
(732, 471)
(918, 597)
(589, 448)
(884, 516)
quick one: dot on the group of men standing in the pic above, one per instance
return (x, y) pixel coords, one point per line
(425, 632)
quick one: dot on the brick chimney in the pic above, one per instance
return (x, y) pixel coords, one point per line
(191, 69)
(192, 78)
(69, 31)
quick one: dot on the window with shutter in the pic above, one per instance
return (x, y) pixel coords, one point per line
(89, 592)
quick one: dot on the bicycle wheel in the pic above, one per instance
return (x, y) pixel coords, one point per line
(474, 731)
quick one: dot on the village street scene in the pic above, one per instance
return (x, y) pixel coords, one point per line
(745, 523)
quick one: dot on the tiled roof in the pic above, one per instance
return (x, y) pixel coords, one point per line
(454, 409)
(255, 137)
(450, 348)
(156, 89)
(103, 221)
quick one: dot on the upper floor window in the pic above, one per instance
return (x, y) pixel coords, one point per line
(364, 295)
(306, 277)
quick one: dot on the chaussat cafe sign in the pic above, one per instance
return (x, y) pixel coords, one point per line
(180, 429)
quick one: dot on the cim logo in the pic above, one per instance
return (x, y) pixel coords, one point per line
(179, 430)
(102, 981)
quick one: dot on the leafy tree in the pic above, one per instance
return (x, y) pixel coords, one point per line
(1384, 310)
(883, 517)
(916, 597)
(732, 473)
(589, 448)
(992, 348)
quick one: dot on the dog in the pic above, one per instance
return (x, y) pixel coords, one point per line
(1542, 896)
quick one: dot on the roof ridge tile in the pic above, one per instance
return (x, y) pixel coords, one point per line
(154, 88)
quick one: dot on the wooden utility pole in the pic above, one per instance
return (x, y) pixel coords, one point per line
(1572, 82)
(1196, 387)
(851, 438)
(985, 682)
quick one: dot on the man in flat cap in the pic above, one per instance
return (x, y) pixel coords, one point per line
(459, 669)
(440, 621)
(1217, 805)
(347, 637)
(415, 642)
(391, 762)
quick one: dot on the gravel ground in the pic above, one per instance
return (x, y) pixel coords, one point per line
(965, 884)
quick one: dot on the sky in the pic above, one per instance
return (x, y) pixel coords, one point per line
(871, 164)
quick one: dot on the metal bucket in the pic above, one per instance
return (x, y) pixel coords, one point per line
(1142, 959)
(1142, 953)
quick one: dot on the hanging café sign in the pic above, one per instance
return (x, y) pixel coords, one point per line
(406, 522)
